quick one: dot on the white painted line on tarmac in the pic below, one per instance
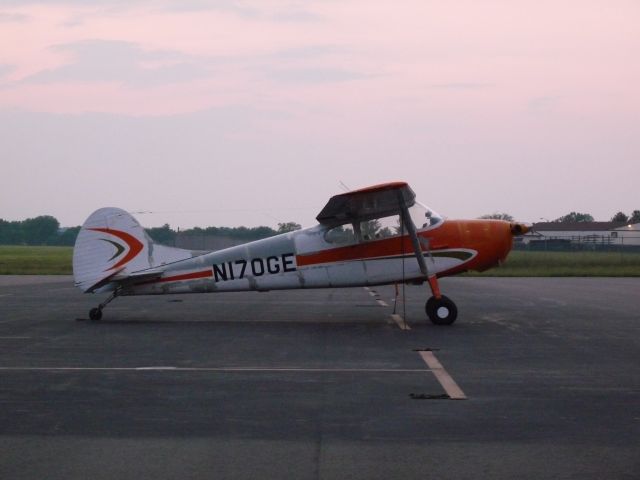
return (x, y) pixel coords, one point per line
(400, 321)
(382, 303)
(6, 295)
(449, 385)
(214, 369)
(373, 293)
(155, 368)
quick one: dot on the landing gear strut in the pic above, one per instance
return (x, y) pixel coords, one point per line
(440, 309)
(96, 313)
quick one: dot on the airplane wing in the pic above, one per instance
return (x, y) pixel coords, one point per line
(375, 202)
(368, 203)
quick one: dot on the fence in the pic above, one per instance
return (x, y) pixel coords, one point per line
(571, 243)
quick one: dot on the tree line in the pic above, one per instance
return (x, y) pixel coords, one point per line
(574, 217)
(45, 230)
(42, 230)
(167, 236)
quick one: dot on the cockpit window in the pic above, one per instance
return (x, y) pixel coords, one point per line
(380, 228)
(365, 231)
(423, 217)
(341, 235)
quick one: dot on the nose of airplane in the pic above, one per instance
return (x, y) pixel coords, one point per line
(499, 241)
(491, 239)
(503, 237)
(518, 229)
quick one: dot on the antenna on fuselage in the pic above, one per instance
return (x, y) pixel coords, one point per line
(343, 186)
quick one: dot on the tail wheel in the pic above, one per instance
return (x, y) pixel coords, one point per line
(95, 313)
(441, 311)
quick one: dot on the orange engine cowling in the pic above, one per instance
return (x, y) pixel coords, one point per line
(492, 239)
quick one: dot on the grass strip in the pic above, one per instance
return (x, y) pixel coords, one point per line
(23, 260)
(28, 260)
(567, 264)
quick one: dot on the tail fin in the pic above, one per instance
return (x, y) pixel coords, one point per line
(109, 242)
(112, 245)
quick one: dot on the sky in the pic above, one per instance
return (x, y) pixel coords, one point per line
(200, 113)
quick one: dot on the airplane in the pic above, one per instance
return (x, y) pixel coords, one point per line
(379, 235)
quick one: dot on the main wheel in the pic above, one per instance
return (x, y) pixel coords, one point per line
(95, 313)
(441, 311)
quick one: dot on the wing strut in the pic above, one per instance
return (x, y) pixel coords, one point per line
(415, 241)
(413, 234)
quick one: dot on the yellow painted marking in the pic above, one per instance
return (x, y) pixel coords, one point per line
(400, 321)
(449, 385)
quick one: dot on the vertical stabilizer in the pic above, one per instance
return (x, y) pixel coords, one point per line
(110, 241)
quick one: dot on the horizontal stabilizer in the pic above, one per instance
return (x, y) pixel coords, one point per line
(113, 247)
(134, 277)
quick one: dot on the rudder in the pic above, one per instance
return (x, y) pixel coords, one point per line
(110, 241)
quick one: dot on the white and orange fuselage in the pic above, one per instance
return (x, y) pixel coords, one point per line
(299, 259)
(374, 236)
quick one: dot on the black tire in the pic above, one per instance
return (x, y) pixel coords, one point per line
(95, 313)
(441, 311)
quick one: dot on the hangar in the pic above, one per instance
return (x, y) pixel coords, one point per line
(590, 233)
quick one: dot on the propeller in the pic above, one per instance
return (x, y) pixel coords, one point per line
(518, 229)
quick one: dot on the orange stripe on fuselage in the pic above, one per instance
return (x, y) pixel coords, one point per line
(492, 239)
(362, 251)
(176, 278)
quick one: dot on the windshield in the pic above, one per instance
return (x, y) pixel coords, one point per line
(384, 227)
(424, 217)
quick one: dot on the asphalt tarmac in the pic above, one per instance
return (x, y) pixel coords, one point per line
(322, 384)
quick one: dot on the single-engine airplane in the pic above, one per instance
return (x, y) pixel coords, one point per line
(373, 236)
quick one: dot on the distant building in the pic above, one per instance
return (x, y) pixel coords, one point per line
(596, 233)
(205, 242)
